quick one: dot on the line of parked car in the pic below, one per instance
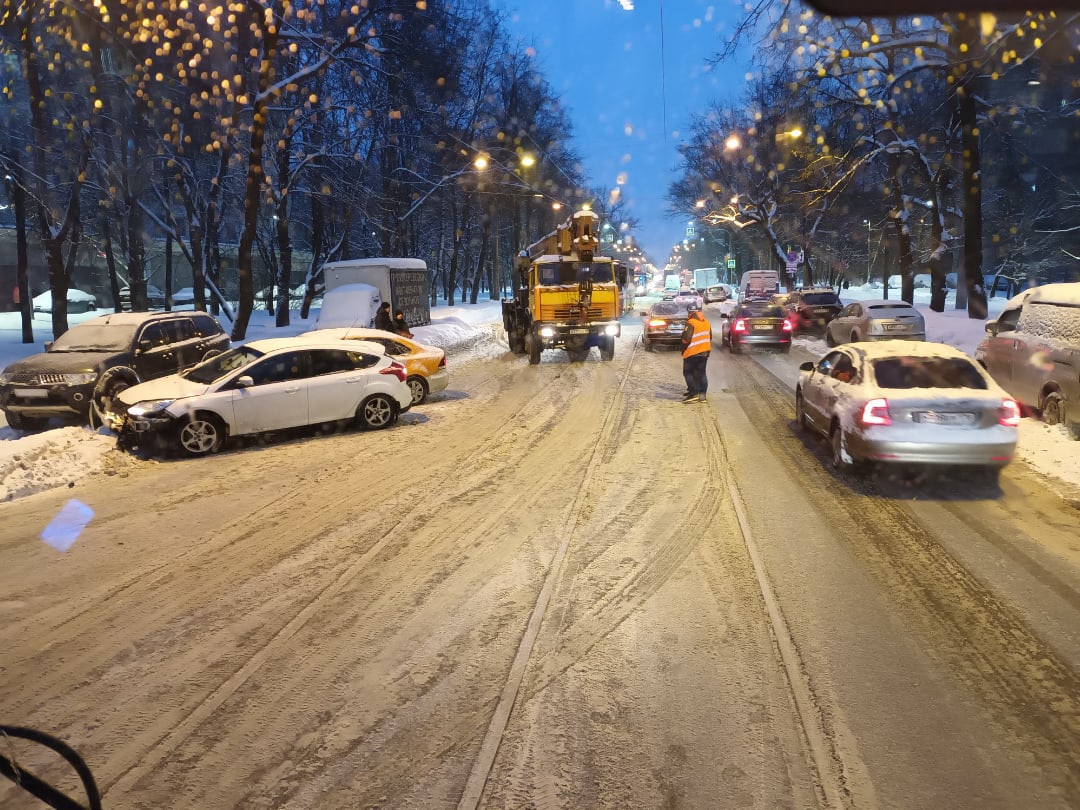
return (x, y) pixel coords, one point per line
(169, 380)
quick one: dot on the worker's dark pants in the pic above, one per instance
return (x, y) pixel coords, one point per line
(693, 369)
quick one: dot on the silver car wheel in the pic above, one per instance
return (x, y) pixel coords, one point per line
(377, 412)
(201, 435)
(418, 389)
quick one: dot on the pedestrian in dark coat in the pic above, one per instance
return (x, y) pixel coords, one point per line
(400, 326)
(382, 318)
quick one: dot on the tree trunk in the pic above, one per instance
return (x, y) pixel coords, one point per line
(972, 162)
(22, 279)
(284, 280)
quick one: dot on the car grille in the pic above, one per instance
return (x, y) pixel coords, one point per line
(36, 378)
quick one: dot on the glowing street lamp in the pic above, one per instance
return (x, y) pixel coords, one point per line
(481, 163)
(527, 161)
(732, 142)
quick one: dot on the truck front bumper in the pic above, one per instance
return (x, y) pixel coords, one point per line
(559, 334)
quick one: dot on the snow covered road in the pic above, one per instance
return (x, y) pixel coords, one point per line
(552, 586)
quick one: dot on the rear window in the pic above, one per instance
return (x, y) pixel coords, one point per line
(761, 311)
(820, 299)
(1051, 320)
(885, 309)
(669, 309)
(927, 372)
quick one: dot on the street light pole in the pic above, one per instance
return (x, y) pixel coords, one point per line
(866, 222)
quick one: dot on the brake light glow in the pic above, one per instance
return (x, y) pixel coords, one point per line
(787, 324)
(1009, 415)
(442, 361)
(657, 322)
(396, 369)
(739, 325)
(875, 412)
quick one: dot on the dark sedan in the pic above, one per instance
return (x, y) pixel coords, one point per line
(756, 324)
(663, 324)
(811, 310)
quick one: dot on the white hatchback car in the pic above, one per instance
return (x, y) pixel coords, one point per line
(263, 386)
(903, 402)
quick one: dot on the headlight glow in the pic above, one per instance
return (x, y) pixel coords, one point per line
(150, 407)
(547, 331)
(611, 329)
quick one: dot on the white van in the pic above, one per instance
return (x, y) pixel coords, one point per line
(758, 284)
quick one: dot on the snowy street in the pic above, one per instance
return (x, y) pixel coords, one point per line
(552, 586)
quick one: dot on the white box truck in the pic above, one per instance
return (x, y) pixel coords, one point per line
(405, 283)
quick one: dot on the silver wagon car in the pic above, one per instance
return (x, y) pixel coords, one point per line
(875, 320)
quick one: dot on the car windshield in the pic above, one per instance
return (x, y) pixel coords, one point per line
(112, 337)
(927, 372)
(222, 364)
(820, 299)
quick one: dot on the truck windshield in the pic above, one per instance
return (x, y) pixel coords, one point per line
(552, 273)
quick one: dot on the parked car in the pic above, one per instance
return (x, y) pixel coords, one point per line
(77, 301)
(264, 386)
(155, 298)
(811, 310)
(875, 320)
(81, 372)
(1032, 349)
(426, 365)
(905, 402)
(716, 293)
(758, 323)
(663, 324)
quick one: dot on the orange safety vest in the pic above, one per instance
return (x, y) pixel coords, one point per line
(701, 340)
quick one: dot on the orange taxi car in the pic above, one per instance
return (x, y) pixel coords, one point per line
(425, 365)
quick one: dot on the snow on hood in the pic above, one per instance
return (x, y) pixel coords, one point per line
(172, 387)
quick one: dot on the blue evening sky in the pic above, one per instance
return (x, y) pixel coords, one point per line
(604, 62)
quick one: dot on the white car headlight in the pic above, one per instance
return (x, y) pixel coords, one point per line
(150, 407)
(80, 379)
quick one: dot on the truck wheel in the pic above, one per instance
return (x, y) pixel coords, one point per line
(607, 348)
(533, 347)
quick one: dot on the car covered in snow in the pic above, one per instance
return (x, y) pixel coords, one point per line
(426, 365)
(77, 301)
(1033, 351)
(265, 386)
(907, 403)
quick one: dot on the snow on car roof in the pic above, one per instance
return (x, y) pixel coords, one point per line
(392, 263)
(904, 348)
(276, 344)
(1067, 294)
(132, 318)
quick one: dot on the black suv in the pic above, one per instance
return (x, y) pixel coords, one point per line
(811, 309)
(81, 371)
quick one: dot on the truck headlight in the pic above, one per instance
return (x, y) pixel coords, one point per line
(611, 329)
(150, 407)
(547, 331)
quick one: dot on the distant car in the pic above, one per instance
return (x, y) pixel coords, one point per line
(663, 324)
(811, 310)
(716, 293)
(875, 320)
(77, 301)
(755, 324)
(155, 298)
(688, 297)
(426, 365)
(81, 372)
(1033, 351)
(669, 295)
(903, 402)
(264, 386)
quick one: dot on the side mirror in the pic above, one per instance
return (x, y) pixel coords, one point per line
(244, 381)
(48, 345)
(992, 328)
(807, 366)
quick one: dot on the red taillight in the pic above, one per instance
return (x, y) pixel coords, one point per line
(657, 322)
(1009, 413)
(787, 324)
(875, 412)
(739, 325)
(442, 361)
(396, 369)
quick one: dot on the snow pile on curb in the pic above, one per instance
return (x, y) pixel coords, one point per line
(55, 458)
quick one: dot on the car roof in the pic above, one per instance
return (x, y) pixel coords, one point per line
(884, 302)
(136, 318)
(1067, 294)
(902, 348)
(277, 344)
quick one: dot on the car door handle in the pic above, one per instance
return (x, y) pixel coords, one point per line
(352, 380)
(292, 390)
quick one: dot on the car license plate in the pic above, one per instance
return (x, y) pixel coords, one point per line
(897, 327)
(762, 326)
(675, 329)
(579, 331)
(938, 418)
(33, 393)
